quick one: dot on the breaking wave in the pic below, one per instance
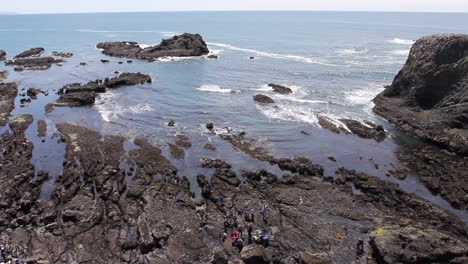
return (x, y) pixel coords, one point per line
(216, 89)
(402, 41)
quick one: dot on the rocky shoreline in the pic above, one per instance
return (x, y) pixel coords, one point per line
(121, 200)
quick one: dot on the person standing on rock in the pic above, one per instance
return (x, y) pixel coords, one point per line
(221, 199)
(264, 213)
(360, 248)
(249, 231)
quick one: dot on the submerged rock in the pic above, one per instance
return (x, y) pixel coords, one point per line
(280, 89)
(30, 53)
(370, 130)
(429, 95)
(260, 98)
(185, 45)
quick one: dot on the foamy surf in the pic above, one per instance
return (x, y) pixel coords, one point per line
(273, 55)
(400, 52)
(290, 113)
(352, 51)
(110, 110)
(168, 33)
(402, 41)
(216, 89)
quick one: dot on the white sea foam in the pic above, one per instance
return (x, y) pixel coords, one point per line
(290, 113)
(273, 55)
(144, 46)
(364, 95)
(216, 89)
(402, 41)
(215, 51)
(110, 109)
(352, 51)
(168, 33)
(400, 52)
(306, 101)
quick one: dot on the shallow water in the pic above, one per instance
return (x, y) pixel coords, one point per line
(335, 63)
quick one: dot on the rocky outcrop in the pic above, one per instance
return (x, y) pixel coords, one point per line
(8, 92)
(280, 89)
(2, 55)
(185, 45)
(40, 63)
(429, 96)
(263, 99)
(30, 53)
(85, 94)
(368, 130)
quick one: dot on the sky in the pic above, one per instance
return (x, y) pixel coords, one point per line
(84, 6)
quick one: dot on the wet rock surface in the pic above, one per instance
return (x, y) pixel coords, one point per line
(429, 96)
(153, 218)
(263, 99)
(8, 92)
(326, 123)
(185, 45)
(280, 89)
(41, 128)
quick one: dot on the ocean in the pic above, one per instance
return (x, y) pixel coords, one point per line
(335, 62)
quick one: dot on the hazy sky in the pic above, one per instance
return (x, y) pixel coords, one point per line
(78, 6)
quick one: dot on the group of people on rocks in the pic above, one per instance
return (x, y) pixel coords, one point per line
(239, 229)
(6, 258)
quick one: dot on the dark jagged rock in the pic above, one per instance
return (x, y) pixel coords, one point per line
(30, 53)
(371, 131)
(209, 126)
(171, 123)
(33, 92)
(280, 89)
(41, 63)
(223, 171)
(254, 254)
(127, 79)
(185, 45)
(429, 96)
(2, 55)
(85, 94)
(8, 92)
(260, 98)
(62, 54)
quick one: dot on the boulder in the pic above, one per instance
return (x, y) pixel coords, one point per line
(280, 89)
(185, 45)
(260, 98)
(410, 244)
(2, 55)
(30, 53)
(429, 95)
(253, 254)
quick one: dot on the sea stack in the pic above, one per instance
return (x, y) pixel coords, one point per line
(429, 96)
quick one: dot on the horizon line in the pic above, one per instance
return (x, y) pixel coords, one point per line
(195, 11)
